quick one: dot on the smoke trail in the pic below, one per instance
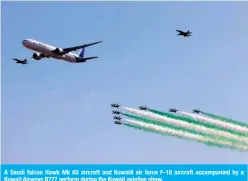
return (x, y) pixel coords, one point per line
(186, 125)
(186, 135)
(142, 128)
(193, 121)
(225, 119)
(166, 134)
(164, 124)
(189, 120)
(217, 122)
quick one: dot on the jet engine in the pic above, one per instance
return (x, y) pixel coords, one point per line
(37, 56)
(58, 50)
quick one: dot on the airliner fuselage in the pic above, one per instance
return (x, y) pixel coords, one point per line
(48, 51)
(45, 51)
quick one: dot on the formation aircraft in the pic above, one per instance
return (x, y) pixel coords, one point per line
(25, 61)
(173, 110)
(117, 117)
(182, 33)
(196, 111)
(143, 108)
(48, 51)
(117, 122)
(115, 105)
(116, 112)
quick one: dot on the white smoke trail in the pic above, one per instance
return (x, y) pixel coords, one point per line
(186, 135)
(186, 125)
(216, 122)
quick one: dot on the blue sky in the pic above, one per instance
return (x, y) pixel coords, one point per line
(57, 112)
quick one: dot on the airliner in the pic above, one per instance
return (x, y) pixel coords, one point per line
(48, 51)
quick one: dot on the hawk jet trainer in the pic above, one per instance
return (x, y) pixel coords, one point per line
(118, 122)
(117, 117)
(48, 51)
(143, 108)
(196, 111)
(173, 110)
(115, 105)
(116, 112)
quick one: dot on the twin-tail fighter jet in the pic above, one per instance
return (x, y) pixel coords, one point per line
(48, 51)
(143, 108)
(183, 33)
(196, 111)
(173, 110)
(115, 105)
(25, 61)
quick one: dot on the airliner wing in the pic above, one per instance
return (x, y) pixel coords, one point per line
(67, 50)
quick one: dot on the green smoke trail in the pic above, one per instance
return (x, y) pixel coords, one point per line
(168, 125)
(228, 120)
(166, 134)
(189, 120)
(143, 129)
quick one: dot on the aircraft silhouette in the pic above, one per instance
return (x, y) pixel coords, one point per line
(173, 110)
(143, 108)
(116, 112)
(182, 33)
(25, 61)
(196, 111)
(117, 122)
(115, 105)
(117, 117)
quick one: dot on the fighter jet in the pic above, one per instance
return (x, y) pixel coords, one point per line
(116, 112)
(118, 122)
(25, 61)
(115, 105)
(173, 110)
(182, 33)
(117, 117)
(143, 108)
(196, 111)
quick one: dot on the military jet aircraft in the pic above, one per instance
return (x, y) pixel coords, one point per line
(117, 117)
(173, 110)
(115, 105)
(118, 122)
(116, 112)
(143, 108)
(196, 111)
(182, 33)
(25, 61)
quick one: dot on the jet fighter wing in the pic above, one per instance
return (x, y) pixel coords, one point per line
(180, 31)
(70, 49)
(18, 60)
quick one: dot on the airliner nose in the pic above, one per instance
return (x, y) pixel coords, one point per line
(25, 43)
